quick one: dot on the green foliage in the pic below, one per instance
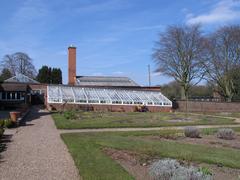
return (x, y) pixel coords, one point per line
(1, 123)
(43, 75)
(56, 76)
(49, 75)
(8, 123)
(5, 74)
(209, 131)
(1, 132)
(1, 127)
(236, 83)
(205, 171)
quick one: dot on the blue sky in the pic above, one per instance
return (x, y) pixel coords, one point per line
(113, 37)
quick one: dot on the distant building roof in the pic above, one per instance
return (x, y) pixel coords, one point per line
(13, 87)
(21, 78)
(105, 81)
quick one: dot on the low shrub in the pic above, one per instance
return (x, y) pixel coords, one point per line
(72, 114)
(8, 123)
(192, 132)
(1, 132)
(1, 127)
(170, 169)
(1, 123)
(205, 171)
(226, 133)
(141, 108)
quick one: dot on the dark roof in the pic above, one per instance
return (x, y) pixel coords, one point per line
(13, 87)
(105, 81)
(21, 78)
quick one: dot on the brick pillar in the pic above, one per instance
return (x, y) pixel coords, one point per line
(71, 65)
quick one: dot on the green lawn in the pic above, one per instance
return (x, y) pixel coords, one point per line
(86, 150)
(134, 119)
(223, 114)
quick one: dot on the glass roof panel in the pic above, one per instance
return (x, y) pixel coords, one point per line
(58, 94)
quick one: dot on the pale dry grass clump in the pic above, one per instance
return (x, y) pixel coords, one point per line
(192, 132)
(226, 133)
(171, 169)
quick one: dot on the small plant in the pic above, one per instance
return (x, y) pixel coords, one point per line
(1, 123)
(205, 170)
(8, 123)
(1, 132)
(226, 133)
(170, 169)
(141, 108)
(72, 114)
(1, 127)
(192, 132)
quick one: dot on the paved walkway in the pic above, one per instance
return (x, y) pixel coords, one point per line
(142, 129)
(36, 152)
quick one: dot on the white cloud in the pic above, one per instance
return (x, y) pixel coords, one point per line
(154, 74)
(223, 11)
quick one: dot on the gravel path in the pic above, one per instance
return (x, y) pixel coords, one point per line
(36, 152)
(143, 129)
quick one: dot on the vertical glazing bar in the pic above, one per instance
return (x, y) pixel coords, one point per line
(74, 100)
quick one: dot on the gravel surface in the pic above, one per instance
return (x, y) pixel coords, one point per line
(36, 152)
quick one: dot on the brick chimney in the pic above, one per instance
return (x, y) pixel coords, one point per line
(71, 65)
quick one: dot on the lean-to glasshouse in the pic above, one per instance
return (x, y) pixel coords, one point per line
(110, 96)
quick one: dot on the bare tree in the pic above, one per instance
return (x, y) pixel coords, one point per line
(223, 56)
(179, 54)
(19, 63)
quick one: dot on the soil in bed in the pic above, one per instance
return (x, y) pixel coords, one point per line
(137, 165)
(209, 140)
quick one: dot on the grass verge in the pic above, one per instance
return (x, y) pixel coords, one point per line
(120, 120)
(86, 149)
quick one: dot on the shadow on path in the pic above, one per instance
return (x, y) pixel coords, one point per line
(35, 112)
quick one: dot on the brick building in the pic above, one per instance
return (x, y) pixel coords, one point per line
(103, 93)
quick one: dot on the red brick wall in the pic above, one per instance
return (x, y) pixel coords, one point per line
(200, 106)
(42, 87)
(102, 107)
(71, 65)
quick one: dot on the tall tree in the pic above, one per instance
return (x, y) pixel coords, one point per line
(236, 83)
(223, 56)
(56, 76)
(179, 54)
(49, 75)
(59, 76)
(19, 63)
(6, 74)
(43, 75)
